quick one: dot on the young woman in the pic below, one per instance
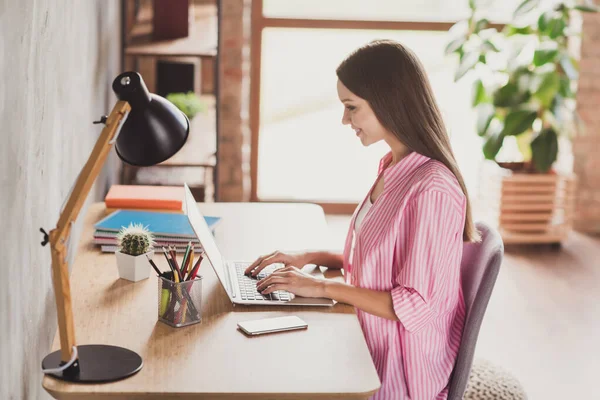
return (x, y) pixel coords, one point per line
(403, 251)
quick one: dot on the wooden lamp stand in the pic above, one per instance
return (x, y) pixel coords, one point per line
(155, 130)
(92, 363)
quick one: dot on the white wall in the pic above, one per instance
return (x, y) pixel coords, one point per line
(57, 61)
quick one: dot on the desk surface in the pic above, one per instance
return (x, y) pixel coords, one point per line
(212, 359)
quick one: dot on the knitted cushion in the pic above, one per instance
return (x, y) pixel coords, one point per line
(490, 382)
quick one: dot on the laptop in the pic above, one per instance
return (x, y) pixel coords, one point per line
(240, 288)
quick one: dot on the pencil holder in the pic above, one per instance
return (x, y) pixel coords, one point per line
(179, 304)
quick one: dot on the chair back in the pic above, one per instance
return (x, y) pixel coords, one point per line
(479, 268)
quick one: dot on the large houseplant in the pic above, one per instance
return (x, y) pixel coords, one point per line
(524, 85)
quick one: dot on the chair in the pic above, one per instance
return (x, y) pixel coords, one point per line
(479, 269)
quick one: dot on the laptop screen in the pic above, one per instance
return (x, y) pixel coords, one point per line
(205, 236)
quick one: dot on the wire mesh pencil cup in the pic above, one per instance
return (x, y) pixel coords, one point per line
(179, 304)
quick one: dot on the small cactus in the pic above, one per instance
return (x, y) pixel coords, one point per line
(135, 240)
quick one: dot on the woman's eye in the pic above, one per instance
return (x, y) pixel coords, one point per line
(350, 108)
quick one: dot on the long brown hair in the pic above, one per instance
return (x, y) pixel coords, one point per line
(392, 80)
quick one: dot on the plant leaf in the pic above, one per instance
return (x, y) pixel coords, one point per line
(548, 88)
(478, 92)
(544, 150)
(565, 87)
(543, 21)
(567, 65)
(556, 27)
(454, 45)
(485, 114)
(587, 8)
(524, 145)
(518, 30)
(509, 96)
(525, 7)
(472, 4)
(466, 64)
(492, 145)
(488, 45)
(518, 121)
(543, 56)
(481, 24)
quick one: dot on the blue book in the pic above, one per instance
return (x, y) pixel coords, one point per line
(164, 224)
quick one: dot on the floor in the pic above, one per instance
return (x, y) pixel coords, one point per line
(543, 322)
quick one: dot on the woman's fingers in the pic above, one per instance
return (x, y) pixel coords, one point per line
(271, 280)
(265, 263)
(258, 262)
(275, 287)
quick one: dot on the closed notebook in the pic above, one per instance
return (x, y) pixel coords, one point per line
(108, 211)
(167, 224)
(145, 197)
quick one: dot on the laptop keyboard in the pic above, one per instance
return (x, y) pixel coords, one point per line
(248, 284)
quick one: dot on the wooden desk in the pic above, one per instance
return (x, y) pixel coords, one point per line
(212, 360)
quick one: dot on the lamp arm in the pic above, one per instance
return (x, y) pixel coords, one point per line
(59, 235)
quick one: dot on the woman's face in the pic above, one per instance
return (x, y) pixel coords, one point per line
(359, 115)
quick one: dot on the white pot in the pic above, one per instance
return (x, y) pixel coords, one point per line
(133, 268)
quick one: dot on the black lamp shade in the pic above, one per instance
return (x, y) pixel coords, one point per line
(154, 130)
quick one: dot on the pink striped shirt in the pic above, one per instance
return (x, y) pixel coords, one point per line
(410, 244)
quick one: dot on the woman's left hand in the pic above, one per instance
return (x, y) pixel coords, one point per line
(294, 281)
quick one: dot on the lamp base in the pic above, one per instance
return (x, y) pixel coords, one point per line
(96, 363)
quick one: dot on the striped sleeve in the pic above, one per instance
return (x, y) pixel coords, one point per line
(431, 229)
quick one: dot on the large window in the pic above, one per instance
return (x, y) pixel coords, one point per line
(305, 151)
(301, 150)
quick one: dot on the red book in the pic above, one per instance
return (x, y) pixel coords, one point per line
(145, 197)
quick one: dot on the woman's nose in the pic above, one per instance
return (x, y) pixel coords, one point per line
(345, 119)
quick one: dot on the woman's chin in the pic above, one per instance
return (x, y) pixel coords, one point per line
(365, 141)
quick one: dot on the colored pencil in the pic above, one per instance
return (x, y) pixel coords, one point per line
(153, 265)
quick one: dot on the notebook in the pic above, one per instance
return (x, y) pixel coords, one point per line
(164, 224)
(145, 197)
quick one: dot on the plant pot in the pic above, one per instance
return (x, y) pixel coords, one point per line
(528, 207)
(133, 268)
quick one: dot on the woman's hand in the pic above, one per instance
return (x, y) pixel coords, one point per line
(295, 260)
(294, 281)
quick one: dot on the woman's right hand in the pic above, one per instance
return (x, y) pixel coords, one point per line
(298, 260)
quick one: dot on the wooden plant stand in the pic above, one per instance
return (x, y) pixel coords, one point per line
(528, 208)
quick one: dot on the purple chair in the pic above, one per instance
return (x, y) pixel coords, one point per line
(479, 269)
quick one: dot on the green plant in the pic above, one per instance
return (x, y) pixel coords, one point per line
(525, 78)
(135, 240)
(189, 103)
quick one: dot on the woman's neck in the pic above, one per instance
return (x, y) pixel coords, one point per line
(398, 154)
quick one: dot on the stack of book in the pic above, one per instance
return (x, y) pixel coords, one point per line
(159, 208)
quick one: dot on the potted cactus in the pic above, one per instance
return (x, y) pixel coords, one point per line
(135, 243)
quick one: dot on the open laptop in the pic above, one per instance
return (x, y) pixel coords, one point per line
(240, 288)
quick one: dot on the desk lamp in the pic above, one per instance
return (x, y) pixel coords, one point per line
(147, 130)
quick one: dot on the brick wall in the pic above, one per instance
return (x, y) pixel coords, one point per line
(233, 161)
(586, 146)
